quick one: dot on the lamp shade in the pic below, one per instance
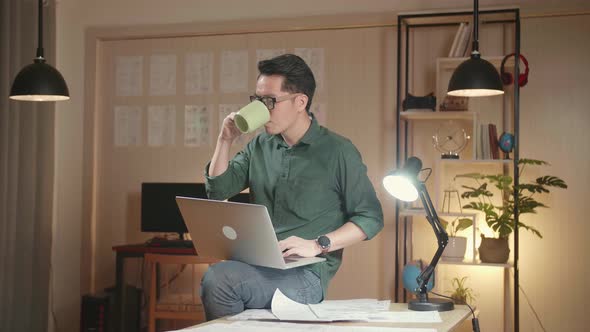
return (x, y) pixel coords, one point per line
(401, 183)
(39, 82)
(475, 77)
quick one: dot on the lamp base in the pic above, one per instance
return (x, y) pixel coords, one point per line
(433, 304)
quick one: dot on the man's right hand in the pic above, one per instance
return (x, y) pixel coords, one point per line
(229, 131)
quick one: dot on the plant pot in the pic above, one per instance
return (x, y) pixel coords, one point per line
(492, 250)
(455, 249)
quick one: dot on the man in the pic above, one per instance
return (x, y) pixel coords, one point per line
(313, 183)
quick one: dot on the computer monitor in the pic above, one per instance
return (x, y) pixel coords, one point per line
(159, 212)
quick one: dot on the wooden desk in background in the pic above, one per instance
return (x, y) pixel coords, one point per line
(134, 251)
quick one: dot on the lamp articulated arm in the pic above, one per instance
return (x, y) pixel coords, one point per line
(441, 236)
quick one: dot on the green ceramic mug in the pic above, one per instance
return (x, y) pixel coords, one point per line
(252, 117)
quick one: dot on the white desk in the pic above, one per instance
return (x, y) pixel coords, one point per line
(451, 320)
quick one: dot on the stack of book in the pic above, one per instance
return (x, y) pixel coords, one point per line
(487, 142)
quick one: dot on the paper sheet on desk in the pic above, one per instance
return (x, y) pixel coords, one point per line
(252, 326)
(249, 314)
(286, 309)
(365, 310)
(255, 326)
(348, 309)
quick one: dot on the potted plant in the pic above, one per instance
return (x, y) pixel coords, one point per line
(500, 218)
(455, 249)
(462, 294)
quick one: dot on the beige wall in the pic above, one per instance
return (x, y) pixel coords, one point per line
(121, 170)
(555, 124)
(556, 108)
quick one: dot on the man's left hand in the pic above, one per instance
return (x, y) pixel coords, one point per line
(294, 245)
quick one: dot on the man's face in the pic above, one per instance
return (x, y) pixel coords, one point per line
(286, 112)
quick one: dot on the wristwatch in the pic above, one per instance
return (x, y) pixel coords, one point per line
(324, 243)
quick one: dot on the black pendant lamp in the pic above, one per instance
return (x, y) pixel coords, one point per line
(39, 81)
(475, 77)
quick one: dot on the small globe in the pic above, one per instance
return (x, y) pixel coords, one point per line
(506, 142)
(411, 272)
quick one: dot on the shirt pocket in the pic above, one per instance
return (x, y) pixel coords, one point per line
(310, 200)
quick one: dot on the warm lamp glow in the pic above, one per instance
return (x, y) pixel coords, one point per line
(476, 93)
(39, 98)
(400, 187)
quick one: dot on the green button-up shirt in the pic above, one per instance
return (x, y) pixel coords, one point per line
(309, 189)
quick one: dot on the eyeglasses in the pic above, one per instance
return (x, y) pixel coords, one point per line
(270, 102)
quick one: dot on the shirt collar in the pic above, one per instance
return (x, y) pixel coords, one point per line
(310, 135)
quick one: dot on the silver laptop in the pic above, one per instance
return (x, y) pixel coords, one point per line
(236, 231)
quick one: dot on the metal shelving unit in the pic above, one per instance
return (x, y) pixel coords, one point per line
(406, 23)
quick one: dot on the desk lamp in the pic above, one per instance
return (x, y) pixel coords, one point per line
(404, 185)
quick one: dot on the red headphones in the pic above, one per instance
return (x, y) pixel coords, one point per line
(507, 78)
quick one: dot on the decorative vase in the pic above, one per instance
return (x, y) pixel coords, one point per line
(455, 249)
(492, 250)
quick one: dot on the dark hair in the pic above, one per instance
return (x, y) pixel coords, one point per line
(298, 77)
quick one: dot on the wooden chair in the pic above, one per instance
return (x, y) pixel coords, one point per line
(165, 305)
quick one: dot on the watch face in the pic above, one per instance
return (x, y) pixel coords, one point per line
(324, 241)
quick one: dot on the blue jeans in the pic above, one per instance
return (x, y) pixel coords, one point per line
(230, 287)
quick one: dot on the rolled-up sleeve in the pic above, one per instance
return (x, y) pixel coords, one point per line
(360, 200)
(232, 181)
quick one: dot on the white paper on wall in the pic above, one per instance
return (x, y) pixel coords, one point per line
(198, 73)
(224, 111)
(320, 110)
(314, 57)
(161, 125)
(128, 75)
(234, 71)
(127, 125)
(197, 119)
(163, 75)
(265, 54)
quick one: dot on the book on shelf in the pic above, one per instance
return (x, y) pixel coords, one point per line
(456, 40)
(478, 144)
(487, 142)
(463, 40)
(467, 50)
(495, 153)
(484, 142)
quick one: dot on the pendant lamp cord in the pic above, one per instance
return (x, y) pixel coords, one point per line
(475, 47)
(40, 31)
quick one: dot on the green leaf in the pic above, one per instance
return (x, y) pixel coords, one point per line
(552, 181)
(475, 176)
(532, 188)
(444, 223)
(525, 161)
(476, 192)
(463, 223)
(530, 228)
(502, 182)
(528, 205)
(504, 230)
